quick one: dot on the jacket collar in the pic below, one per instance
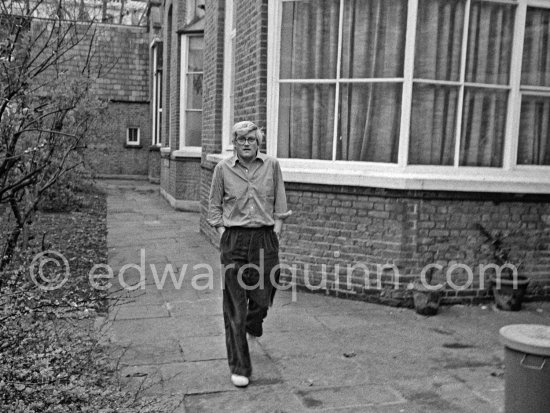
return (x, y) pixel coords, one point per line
(259, 155)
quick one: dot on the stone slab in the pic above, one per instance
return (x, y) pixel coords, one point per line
(196, 377)
(203, 348)
(138, 310)
(278, 399)
(150, 354)
(348, 397)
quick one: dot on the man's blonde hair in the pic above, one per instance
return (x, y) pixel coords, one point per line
(244, 127)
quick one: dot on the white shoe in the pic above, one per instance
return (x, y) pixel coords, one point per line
(239, 381)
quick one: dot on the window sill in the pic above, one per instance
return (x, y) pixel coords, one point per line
(189, 152)
(496, 180)
(133, 146)
(528, 180)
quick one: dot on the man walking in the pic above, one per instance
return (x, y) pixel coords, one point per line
(247, 206)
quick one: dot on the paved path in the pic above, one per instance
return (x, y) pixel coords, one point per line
(318, 353)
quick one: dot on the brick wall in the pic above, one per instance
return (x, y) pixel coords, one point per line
(118, 59)
(118, 63)
(212, 101)
(213, 78)
(123, 54)
(153, 165)
(108, 154)
(188, 177)
(251, 61)
(337, 226)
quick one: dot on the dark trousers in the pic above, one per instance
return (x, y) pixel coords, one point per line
(248, 257)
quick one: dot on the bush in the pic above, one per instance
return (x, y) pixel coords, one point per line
(51, 359)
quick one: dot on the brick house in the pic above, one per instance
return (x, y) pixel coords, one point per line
(400, 125)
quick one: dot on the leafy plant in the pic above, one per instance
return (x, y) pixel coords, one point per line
(496, 242)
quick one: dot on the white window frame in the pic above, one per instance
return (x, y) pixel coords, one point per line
(184, 44)
(155, 102)
(508, 178)
(133, 143)
(230, 34)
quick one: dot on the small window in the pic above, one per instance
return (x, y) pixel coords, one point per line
(132, 137)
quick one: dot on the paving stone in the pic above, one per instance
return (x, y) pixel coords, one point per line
(298, 321)
(203, 348)
(350, 397)
(196, 377)
(145, 380)
(303, 345)
(162, 329)
(190, 308)
(274, 399)
(137, 311)
(323, 370)
(150, 354)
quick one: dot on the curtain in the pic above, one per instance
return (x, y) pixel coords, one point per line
(534, 132)
(437, 57)
(372, 47)
(309, 46)
(488, 62)
(433, 125)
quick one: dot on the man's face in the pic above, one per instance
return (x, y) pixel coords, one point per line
(248, 149)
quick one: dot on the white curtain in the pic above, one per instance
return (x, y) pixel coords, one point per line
(488, 62)
(373, 47)
(534, 133)
(437, 57)
(309, 42)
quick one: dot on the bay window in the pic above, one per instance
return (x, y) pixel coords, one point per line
(433, 87)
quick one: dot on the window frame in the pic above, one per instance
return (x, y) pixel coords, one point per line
(156, 98)
(184, 47)
(138, 133)
(230, 37)
(511, 177)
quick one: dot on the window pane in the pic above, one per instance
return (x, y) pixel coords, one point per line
(193, 128)
(306, 121)
(489, 43)
(433, 125)
(374, 38)
(534, 131)
(194, 92)
(369, 122)
(194, 59)
(439, 39)
(536, 56)
(158, 51)
(309, 39)
(159, 91)
(483, 124)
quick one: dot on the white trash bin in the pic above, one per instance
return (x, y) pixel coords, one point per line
(527, 373)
